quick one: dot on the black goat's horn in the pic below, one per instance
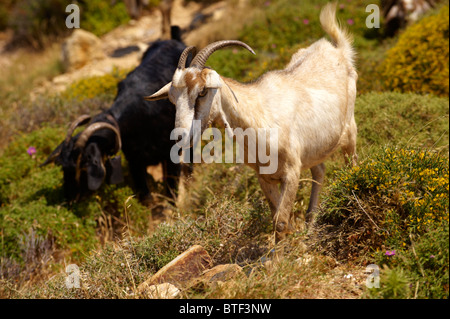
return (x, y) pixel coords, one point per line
(81, 120)
(54, 155)
(200, 59)
(94, 127)
(184, 55)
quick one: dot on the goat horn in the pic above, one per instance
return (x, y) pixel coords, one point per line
(53, 156)
(81, 120)
(200, 59)
(184, 55)
(86, 134)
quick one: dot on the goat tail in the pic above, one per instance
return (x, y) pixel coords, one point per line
(340, 37)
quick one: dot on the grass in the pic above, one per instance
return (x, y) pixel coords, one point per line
(411, 120)
(395, 200)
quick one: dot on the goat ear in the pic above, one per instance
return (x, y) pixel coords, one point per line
(213, 80)
(163, 93)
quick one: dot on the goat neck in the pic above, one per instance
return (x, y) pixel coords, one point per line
(239, 105)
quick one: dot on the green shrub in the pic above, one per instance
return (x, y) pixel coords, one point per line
(419, 62)
(419, 270)
(368, 63)
(392, 194)
(100, 16)
(16, 163)
(32, 200)
(288, 23)
(96, 86)
(406, 119)
(34, 21)
(70, 233)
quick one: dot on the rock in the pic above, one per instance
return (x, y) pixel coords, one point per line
(161, 291)
(183, 268)
(305, 260)
(221, 272)
(81, 48)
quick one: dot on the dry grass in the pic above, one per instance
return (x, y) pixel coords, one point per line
(25, 71)
(117, 270)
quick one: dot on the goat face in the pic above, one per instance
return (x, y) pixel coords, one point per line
(95, 169)
(86, 165)
(87, 176)
(195, 90)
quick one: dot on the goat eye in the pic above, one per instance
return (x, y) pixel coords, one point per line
(203, 92)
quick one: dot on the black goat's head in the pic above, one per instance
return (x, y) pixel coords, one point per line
(86, 165)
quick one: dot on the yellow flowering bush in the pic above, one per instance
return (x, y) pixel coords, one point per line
(95, 86)
(392, 211)
(419, 62)
(395, 193)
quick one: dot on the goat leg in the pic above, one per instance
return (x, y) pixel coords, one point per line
(282, 216)
(318, 174)
(138, 172)
(272, 193)
(171, 173)
(349, 144)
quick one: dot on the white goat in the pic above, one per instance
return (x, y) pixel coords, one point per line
(310, 102)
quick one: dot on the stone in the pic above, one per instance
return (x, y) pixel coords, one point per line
(80, 49)
(221, 272)
(160, 291)
(190, 264)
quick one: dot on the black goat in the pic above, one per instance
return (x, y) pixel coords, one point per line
(141, 128)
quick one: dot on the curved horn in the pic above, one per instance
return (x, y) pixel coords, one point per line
(200, 59)
(81, 120)
(184, 55)
(53, 156)
(91, 129)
